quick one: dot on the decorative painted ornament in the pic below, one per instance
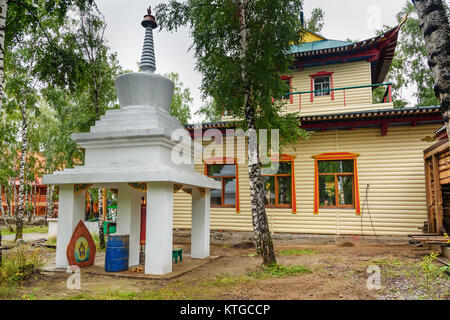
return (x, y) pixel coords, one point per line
(139, 186)
(81, 249)
(79, 188)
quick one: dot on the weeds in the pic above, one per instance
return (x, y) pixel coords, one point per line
(429, 268)
(278, 271)
(19, 264)
(297, 252)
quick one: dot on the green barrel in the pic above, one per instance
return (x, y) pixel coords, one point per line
(117, 252)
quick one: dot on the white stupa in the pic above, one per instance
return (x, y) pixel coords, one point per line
(133, 145)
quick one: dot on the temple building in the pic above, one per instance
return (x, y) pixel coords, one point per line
(362, 170)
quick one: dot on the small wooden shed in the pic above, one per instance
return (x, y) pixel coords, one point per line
(437, 179)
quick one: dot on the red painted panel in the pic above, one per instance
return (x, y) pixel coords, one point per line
(143, 222)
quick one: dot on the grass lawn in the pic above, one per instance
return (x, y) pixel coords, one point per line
(34, 229)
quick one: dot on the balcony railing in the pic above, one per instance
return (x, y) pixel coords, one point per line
(386, 98)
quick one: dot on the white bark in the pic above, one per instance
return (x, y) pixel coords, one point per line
(3, 9)
(261, 231)
(23, 157)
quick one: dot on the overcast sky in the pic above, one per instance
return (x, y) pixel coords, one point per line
(344, 19)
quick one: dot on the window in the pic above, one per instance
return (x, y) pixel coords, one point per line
(227, 175)
(225, 171)
(288, 81)
(322, 83)
(336, 181)
(279, 187)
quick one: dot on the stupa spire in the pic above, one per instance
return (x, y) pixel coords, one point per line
(148, 53)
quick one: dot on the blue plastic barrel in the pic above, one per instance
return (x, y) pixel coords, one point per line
(117, 251)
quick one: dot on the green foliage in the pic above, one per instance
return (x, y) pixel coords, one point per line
(224, 279)
(19, 264)
(181, 101)
(297, 252)
(36, 229)
(315, 22)
(278, 271)
(428, 266)
(96, 239)
(210, 112)
(409, 69)
(26, 15)
(273, 26)
(59, 68)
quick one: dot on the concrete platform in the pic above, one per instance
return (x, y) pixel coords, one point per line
(178, 269)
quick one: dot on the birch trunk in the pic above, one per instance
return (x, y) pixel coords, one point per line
(21, 195)
(435, 27)
(8, 201)
(3, 9)
(26, 203)
(15, 199)
(263, 239)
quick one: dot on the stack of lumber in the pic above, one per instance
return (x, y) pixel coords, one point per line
(429, 238)
(444, 167)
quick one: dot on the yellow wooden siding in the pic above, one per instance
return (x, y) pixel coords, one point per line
(392, 165)
(345, 75)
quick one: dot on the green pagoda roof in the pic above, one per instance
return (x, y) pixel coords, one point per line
(319, 45)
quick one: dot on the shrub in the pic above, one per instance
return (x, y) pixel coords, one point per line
(19, 264)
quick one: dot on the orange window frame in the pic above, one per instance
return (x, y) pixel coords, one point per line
(225, 161)
(293, 205)
(336, 157)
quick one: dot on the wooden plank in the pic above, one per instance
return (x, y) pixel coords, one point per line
(444, 167)
(445, 181)
(443, 161)
(444, 154)
(437, 194)
(431, 239)
(439, 148)
(429, 196)
(444, 174)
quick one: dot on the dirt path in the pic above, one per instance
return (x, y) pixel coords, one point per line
(336, 273)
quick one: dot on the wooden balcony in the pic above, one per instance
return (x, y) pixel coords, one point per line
(338, 100)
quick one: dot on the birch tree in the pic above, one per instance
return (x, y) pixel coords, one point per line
(435, 27)
(3, 9)
(241, 48)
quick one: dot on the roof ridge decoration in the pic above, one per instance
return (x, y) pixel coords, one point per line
(378, 50)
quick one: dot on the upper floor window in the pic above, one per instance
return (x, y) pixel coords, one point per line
(288, 81)
(225, 171)
(336, 181)
(322, 80)
(322, 83)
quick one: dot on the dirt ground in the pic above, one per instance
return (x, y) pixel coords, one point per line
(336, 272)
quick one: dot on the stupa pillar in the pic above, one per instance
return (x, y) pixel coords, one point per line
(200, 224)
(71, 209)
(129, 219)
(159, 224)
